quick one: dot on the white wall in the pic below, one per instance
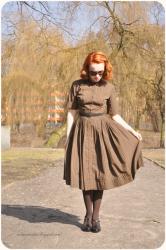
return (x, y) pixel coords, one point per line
(5, 137)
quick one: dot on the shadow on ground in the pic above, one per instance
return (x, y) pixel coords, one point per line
(39, 214)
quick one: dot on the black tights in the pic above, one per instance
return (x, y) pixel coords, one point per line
(92, 198)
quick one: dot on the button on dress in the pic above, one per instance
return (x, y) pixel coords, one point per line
(100, 153)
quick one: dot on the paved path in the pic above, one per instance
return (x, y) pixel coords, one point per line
(44, 212)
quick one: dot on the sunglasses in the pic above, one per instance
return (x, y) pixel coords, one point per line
(94, 73)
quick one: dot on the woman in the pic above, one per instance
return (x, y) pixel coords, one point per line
(102, 150)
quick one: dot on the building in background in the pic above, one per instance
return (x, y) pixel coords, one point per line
(56, 108)
(30, 108)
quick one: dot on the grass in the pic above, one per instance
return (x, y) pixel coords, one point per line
(31, 153)
(20, 164)
(156, 155)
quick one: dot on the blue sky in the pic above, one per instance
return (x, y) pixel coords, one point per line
(84, 17)
(81, 22)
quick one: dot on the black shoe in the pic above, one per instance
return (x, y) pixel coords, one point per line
(87, 225)
(96, 226)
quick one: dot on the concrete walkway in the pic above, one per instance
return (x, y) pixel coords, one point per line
(44, 212)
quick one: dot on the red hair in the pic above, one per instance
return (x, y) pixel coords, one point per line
(96, 57)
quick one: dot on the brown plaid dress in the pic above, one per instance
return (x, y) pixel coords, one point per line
(100, 153)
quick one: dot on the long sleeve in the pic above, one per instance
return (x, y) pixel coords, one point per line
(112, 102)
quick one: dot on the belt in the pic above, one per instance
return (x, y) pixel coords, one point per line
(90, 114)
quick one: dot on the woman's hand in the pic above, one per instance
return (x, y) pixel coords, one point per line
(122, 122)
(137, 134)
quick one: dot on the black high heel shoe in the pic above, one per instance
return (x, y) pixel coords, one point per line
(96, 226)
(87, 225)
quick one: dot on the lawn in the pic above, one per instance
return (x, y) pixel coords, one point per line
(156, 155)
(23, 163)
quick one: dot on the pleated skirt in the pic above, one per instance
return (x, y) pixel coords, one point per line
(100, 154)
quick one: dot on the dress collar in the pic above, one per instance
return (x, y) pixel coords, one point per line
(89, 82)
